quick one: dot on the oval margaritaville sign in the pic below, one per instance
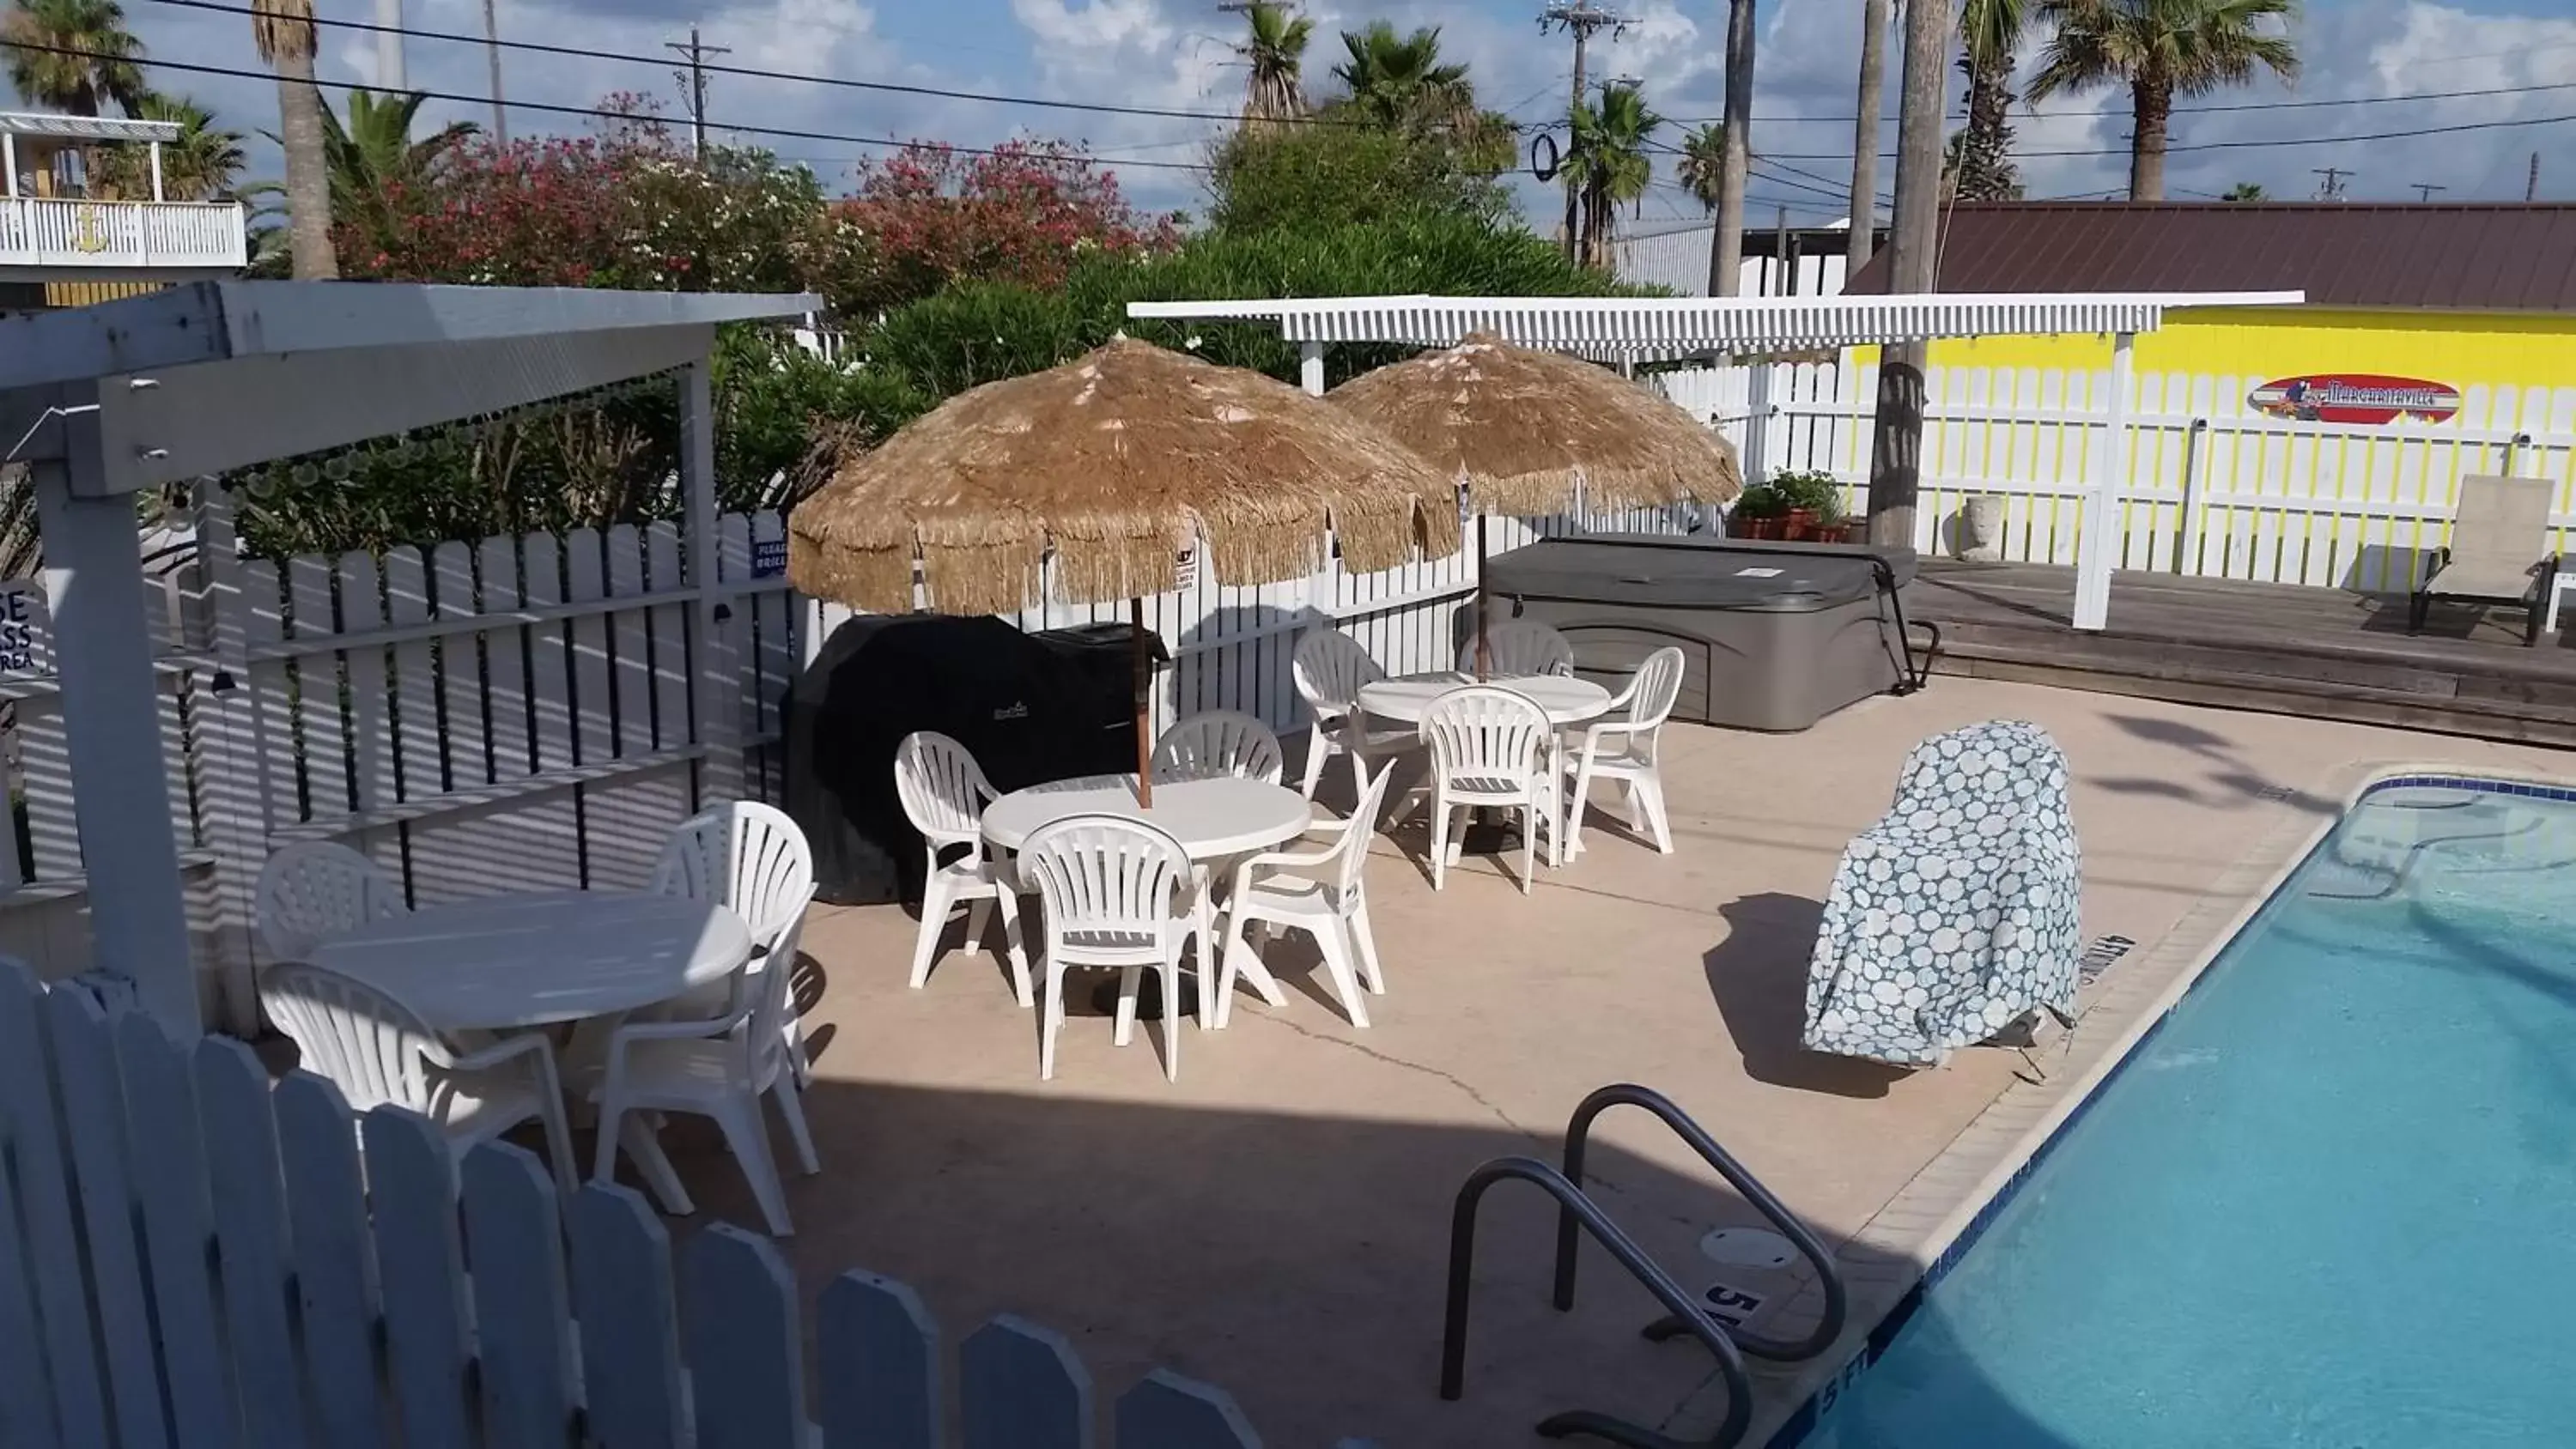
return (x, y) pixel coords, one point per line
(2356, 397)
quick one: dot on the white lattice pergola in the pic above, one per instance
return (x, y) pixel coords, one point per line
(1646, 329)
(106, 401)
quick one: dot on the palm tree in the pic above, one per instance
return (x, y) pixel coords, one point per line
(1609, 164)
(202, 165)
(1990, 33)
(1398, 81)
(1703, 156)
(1274, 50)
(2161, 49)
(2246, 191)
(1702, 172)
(1726, 249)
(104, 68)
(283, 30)
(374, 153)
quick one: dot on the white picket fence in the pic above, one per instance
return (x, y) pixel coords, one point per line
(505, 714)
(1231, 645)
(2216, 488)
(194, 1258)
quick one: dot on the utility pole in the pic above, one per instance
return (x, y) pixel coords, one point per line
(2331, 189)
(1864, 183)
(492, 54)
(1580, 18)
(2531, 183)
(695, 80)
(2424, 189)
(1896, 442)
(390, 79)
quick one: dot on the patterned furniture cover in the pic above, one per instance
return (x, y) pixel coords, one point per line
(1957, 911)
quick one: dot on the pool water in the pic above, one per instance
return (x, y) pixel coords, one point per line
(2331, 1203)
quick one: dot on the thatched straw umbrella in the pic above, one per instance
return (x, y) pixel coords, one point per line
(1092, 478)
(1527, 432)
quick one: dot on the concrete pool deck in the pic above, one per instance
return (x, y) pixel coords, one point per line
(1277, 1221)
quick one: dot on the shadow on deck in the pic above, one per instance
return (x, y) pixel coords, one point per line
(2282, 648)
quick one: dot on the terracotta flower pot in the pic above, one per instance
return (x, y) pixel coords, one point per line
(1836, 532)
(1799, 524)
(1757, 527)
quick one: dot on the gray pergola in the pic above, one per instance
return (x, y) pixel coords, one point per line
(105, 401)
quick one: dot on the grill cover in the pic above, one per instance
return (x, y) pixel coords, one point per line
(1029, 707)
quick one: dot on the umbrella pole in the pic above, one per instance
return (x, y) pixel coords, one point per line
(1144, 703)
(1484, 645)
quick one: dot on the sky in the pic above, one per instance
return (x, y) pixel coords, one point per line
(1175, 55)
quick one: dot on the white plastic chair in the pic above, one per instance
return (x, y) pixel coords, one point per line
(317, 892)
(1622, 748)
(944, 793)
(378, 1053)
(1320, 892)
(719, 1069)
(1330, 668)
(753, 860)
(1521, 648)
(1219, 744)
(1490, 748)
(1117, 894)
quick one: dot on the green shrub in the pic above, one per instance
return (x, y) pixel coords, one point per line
(1819, 492)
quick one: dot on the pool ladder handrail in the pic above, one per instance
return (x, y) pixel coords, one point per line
(1578, 1136)
(1687, 1315)
(1576, 1209)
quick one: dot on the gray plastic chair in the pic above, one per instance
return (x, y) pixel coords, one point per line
(2500, 551)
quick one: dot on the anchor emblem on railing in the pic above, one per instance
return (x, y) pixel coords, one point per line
(89, 230)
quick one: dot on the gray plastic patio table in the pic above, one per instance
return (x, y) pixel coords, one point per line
(1213, 820)
(516, 961)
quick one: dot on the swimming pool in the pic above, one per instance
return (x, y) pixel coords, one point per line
(2330, 1202)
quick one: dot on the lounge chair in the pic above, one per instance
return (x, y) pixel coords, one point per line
(2499, 551)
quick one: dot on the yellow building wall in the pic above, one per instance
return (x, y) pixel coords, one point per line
(2463, 349)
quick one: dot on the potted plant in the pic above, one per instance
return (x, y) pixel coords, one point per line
(1812, 505)
(1760, 512)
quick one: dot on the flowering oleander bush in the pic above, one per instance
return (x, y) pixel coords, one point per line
(1025, 214)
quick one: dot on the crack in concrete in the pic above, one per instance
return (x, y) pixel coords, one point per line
(1477, 1097)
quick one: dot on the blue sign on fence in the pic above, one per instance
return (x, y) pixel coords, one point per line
(768, 558)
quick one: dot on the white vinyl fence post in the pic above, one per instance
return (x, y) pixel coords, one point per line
(112, 714)
(236, 774)
(1758, 421)
(1310, 368)
(717, 700)
(2097, 549)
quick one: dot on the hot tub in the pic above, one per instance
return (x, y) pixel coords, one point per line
(1776, 635)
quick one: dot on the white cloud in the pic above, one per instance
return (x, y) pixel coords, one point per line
(1176, 54)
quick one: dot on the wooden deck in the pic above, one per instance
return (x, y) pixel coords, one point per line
(2279, 648)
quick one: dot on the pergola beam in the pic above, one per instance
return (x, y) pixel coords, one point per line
(1652, 328)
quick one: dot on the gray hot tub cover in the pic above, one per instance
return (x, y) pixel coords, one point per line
(1957, 911)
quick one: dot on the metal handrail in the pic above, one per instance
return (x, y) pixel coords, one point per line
(1578, 1135)
(1687, 1314)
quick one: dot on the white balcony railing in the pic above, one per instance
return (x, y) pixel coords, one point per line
(49, 232)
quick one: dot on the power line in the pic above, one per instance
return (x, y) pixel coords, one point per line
(228, 7)
(2223, 108)
(592, 112)
(2252, 144)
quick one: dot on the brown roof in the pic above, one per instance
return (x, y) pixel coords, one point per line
(2514, 257)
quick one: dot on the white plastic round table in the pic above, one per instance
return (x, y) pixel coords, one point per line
(1210, 818)
(536, 960)
(1566, 699)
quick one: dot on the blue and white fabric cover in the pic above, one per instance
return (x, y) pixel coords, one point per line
(1957, 911)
